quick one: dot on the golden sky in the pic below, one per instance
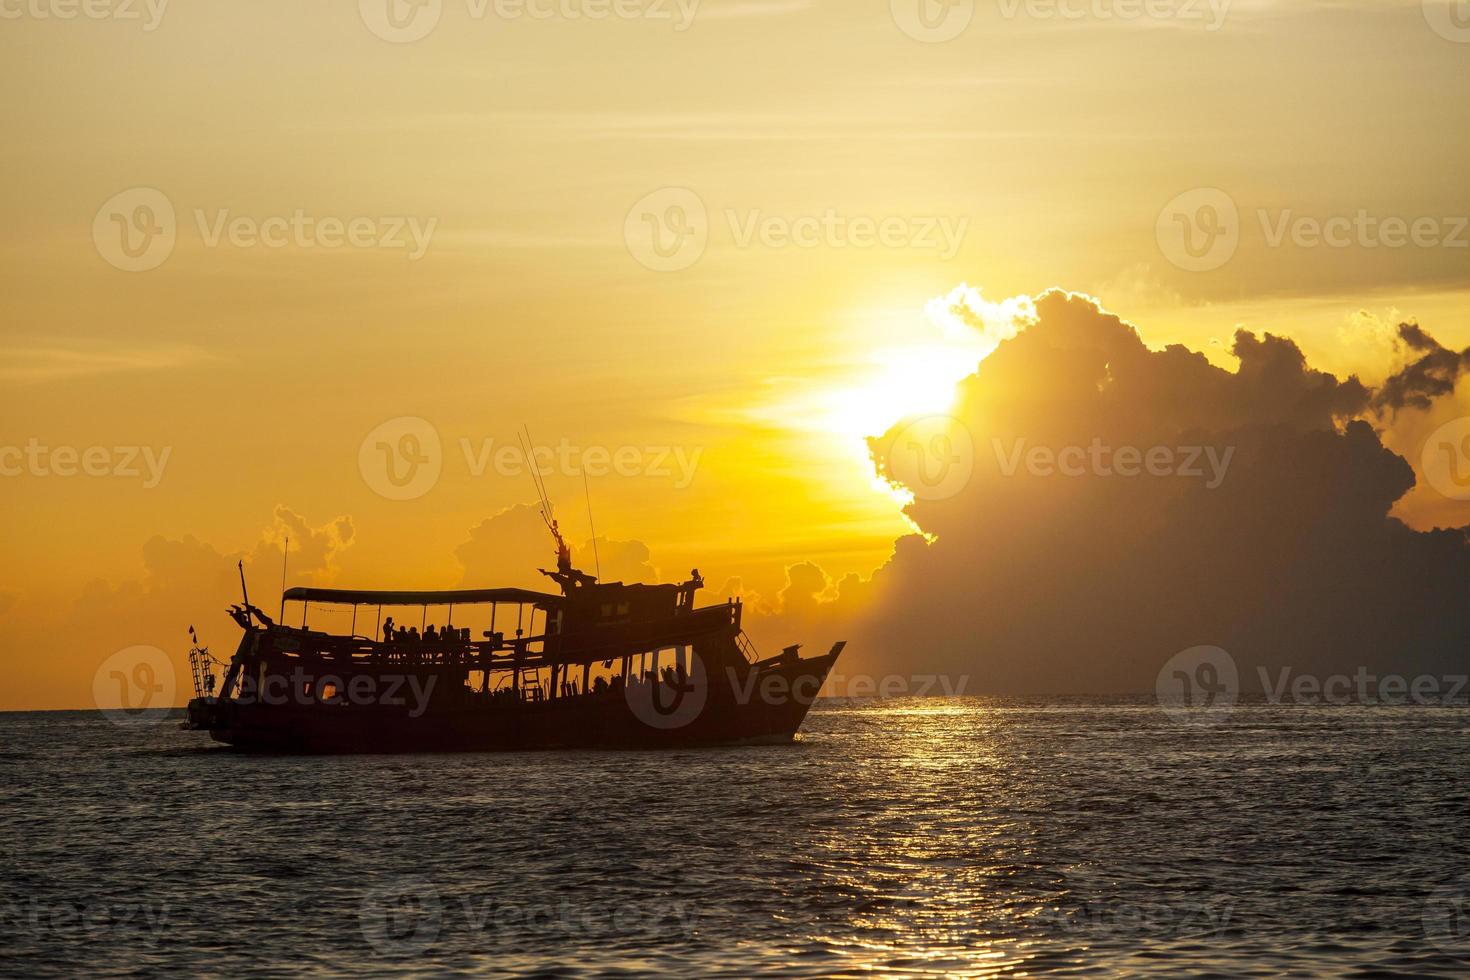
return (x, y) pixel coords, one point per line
(502, 177)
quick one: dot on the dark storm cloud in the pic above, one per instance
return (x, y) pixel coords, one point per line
(1430, 373)
(1048, 582)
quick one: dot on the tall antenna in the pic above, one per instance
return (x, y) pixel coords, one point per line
(284, 552)
(528, 450)
(588, 492)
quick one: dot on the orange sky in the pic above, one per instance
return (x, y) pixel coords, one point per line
(457, 229)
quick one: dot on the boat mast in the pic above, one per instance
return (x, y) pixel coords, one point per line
(286, 550)
(244, 592)
(593, 527)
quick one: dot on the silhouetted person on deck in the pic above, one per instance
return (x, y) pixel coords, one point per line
(388, 630)
(430, 635)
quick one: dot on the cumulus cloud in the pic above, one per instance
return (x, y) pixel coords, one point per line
(182, 581)
(618, 561)
(805, 586)
(507, 548)
(963, 309)
(1036, 578)
(314, 550)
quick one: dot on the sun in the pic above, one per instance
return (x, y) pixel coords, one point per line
(900, 383)
(961, 329)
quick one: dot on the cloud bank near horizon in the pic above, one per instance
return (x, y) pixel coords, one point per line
(1061, 562)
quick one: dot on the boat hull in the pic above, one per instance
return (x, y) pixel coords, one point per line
(764, 705)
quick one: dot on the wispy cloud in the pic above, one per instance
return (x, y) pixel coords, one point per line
(41, 363)
(742, 127)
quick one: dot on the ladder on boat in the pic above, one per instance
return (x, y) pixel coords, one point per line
(200, 667)
(746, 647)
(531, 686)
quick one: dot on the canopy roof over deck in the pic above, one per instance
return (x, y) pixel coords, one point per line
(356, 597)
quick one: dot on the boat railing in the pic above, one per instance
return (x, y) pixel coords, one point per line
(499, 652)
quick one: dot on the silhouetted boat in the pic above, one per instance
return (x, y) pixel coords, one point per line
(600, 665)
